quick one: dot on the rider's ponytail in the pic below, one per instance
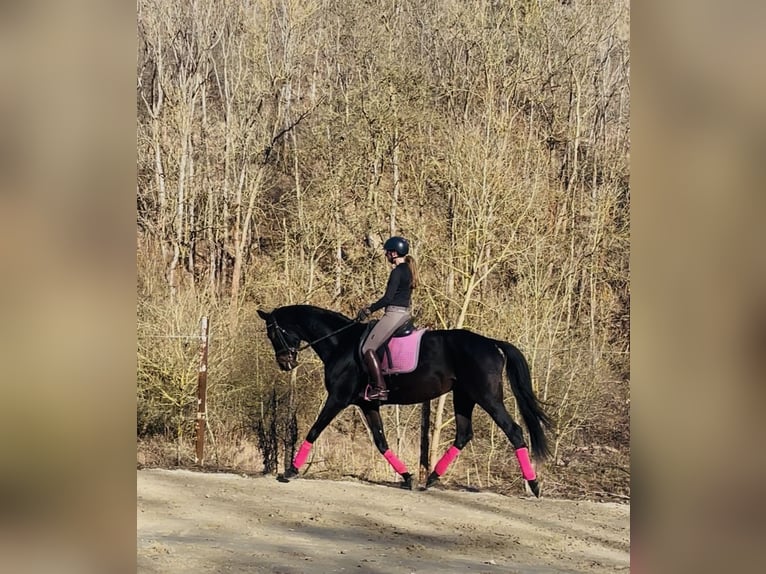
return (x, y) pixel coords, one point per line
(408, 259)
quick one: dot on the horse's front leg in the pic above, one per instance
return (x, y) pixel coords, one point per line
(329, 411)
(463, 434)
(372, 415)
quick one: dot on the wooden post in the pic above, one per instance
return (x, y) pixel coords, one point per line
(425, 424)
(202, 392)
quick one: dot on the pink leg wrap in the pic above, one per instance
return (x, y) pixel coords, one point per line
(303, 454)
(395, 462)
(522, 454)
(446, 460)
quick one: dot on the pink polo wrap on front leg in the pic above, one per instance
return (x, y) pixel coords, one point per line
(303, 454)
(522, 454)
(446, 460)
(394, 461)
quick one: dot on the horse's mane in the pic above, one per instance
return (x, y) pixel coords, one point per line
(309, 314)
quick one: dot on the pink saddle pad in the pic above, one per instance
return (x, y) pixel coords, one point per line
(404, 354)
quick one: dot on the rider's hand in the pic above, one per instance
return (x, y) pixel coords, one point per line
(363, 314)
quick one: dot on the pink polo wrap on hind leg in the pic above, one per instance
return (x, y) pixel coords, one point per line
(522, 454)
(395, 462)
(446, 460)
(303, 454)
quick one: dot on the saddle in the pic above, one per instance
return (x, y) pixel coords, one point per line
(399, 354)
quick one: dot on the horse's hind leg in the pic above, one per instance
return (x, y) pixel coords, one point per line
(496, 409)
(372, 415)
(463, 434)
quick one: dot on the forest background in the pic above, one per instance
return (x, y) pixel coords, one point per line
(280, 142)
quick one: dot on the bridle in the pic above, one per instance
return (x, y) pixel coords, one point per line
(289, 354)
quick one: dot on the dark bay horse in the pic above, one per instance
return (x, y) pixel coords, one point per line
(457, 360)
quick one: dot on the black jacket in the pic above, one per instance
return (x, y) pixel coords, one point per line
(398, 290)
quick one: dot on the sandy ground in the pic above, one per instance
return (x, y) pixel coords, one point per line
(195, 522)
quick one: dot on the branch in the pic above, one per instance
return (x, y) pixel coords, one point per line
(281, 134)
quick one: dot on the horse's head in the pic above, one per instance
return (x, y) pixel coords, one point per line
(285, 342)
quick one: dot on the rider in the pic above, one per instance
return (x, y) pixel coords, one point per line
(396, 300)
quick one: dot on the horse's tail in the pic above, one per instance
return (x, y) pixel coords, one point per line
(536, 421)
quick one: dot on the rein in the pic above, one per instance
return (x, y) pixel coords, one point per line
(307, 345)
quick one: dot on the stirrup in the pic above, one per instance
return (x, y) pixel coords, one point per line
(373, 394)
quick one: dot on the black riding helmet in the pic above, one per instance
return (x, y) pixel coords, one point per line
(398, 244)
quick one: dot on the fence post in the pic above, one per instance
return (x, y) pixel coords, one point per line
(425, 424)
(202, 392)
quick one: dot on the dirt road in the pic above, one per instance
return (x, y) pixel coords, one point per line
(195, 522)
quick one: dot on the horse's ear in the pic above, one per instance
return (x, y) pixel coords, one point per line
(264, 315)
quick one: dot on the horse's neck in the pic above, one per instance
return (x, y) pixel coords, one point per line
(312, 330)
(315, 325)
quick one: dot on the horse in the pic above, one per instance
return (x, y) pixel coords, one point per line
(452, 360)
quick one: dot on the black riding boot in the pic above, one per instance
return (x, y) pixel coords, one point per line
(373, 368)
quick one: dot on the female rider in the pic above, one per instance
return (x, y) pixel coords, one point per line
(397, 301)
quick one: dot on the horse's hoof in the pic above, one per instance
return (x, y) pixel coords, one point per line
(534, 487)
(433, 478)
(407, 482)
(291, 472)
